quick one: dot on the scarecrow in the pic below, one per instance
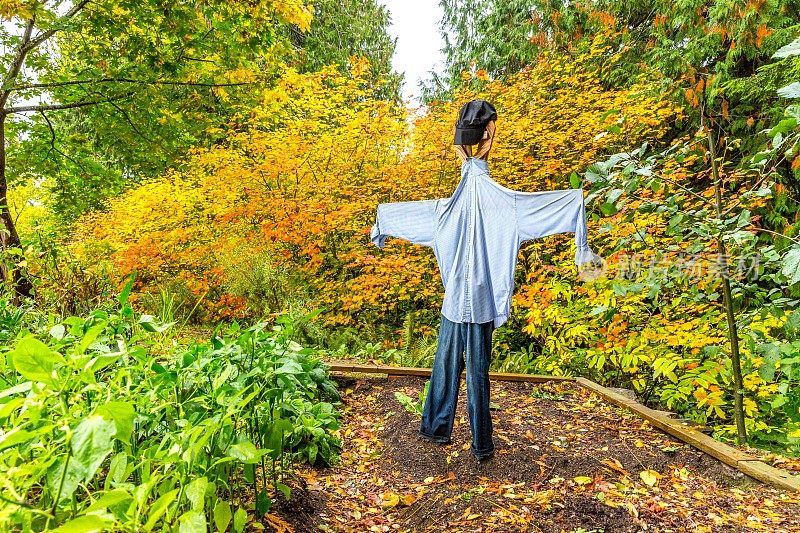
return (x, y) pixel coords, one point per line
(475, 235)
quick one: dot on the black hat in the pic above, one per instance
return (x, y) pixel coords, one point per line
(472, 121)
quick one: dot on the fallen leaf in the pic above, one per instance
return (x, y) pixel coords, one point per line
(614, 465)
(650, 477)
(408, 499)
(390, 499)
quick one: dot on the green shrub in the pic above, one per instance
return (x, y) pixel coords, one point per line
(106, 424)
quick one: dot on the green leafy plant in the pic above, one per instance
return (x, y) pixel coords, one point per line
(106, 426)
(411, 405)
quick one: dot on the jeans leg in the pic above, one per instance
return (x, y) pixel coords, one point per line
(440, 405)
(478, 349)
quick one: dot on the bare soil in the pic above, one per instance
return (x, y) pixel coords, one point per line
(564, 460)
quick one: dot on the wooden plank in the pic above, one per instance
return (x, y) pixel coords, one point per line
(727, 454)
(343, 366)
(346, 366)
(776, 477)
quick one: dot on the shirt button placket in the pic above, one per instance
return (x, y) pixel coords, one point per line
(467, 290)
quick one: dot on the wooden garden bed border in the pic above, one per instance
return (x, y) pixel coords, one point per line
(729, 455)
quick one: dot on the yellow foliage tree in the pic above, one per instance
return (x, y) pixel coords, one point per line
(300, 176)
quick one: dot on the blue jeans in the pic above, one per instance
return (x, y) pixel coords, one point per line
(440, 405)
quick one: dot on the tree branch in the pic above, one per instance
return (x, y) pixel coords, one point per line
(123, 80)
(52, 134)
(55, 107)
(53, 147)
(42, 37)
(16, 63)
(130, 122)
(765, 230)
(29, 44)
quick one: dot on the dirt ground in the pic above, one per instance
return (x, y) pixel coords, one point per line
(565, 461)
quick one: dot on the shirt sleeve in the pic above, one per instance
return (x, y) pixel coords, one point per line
(413, 221)
(540, 214)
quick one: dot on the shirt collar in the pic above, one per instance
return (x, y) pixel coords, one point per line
(480, 163)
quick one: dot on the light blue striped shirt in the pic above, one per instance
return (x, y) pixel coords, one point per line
(476, 234)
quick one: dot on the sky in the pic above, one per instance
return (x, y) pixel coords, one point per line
(415, 23)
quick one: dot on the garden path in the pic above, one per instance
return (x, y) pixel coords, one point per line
(565, 460)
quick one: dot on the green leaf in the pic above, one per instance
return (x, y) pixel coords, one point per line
(285, 489)
(150, 324)
(790, 91)
(25, 386)
(196, 493)
(743, 219)
(72, 477)
(84, 524)
(408, 403)
(263, 503)
(595, 172)
(792, 325)
(223, 376)
(791, 264)
(160, 507)
(290, 367)
(110, 499)
(222, 515)
(784, 126)
(100, 361)
(607, 113)
(312, 453)
(192, 522)
(126, 291)
(91, 443)
(279, 428)
(791, 49)
(771, 354)
(608, 209)
(117, 469)
(779, 401)
(90, 336)
(12, 405)
(246, 452)
(239, 520)
(614, 195)
(35, 361)
(14, 437)
(249, 473)
(574, 180)
(58, 331)
(122, 414)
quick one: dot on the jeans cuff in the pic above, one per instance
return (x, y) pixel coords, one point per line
(438, 440)
(482, 454)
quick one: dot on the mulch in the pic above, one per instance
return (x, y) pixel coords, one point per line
(565, 461)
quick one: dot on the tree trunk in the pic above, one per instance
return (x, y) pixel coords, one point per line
(9, 238)
(733, 333)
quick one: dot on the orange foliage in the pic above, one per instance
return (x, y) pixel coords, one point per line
(300, 176)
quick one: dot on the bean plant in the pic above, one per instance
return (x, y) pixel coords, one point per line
(108, 424)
